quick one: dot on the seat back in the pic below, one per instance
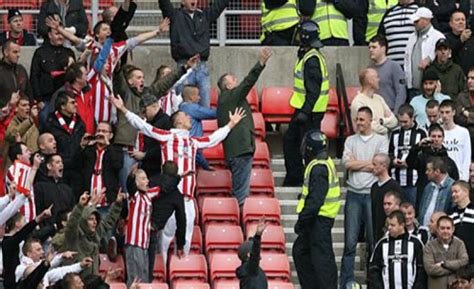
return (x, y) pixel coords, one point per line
(223, 265)
(106, 264)
(261, 157)
(220, 210)
(273, 238)
(223, 238)
(261, 182)
(257, 207)
(189, 267)
(259, 125)
(276, 266)
(159, 269)
(214, 182)
(276, 104)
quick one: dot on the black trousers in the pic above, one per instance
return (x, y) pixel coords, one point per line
(314, 256)
(292, 147)
(280, 38)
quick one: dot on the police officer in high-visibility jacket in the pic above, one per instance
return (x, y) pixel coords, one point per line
(310, 99)
(279, 21)
(317, 208)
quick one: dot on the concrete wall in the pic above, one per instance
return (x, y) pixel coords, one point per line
(239, 60)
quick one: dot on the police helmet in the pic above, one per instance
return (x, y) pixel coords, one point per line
(352, 285)
(313, 143)
(309, 35)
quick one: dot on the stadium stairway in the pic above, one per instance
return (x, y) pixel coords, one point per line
(288, 200)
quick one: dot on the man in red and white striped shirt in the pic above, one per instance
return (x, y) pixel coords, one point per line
(23, 173)
(137, 236)
(178, 146)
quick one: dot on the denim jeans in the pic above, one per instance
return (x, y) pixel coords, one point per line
(410, 194)
(241, 167)
(128, 162)
(200, 78)
(43, 115)
(357, 211)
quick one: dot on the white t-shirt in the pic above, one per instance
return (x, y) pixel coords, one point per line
(458, 143)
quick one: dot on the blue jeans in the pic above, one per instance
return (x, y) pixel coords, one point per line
(241, 167)
(200, 78)
(410, 194)
(128, 162)
(357, 211)
(43, 115)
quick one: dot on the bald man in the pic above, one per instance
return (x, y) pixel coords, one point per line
(47, 146)
(433, 223)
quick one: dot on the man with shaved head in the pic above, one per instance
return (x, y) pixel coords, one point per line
(433, 223)
(47, 147)
(383, 185)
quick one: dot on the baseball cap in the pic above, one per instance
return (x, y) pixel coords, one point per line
(146, 100)
(13, 12)
(442, 43)
(430, 75)
(422, 12)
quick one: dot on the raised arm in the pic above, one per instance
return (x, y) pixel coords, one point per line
(54, 24)
(140, 38)
(167, 8)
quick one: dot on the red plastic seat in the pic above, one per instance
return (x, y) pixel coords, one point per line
(352, 91)
(276, 266)
(189, 284)
(276, 104)
(196, 241)
(102, 4)
(219, 210)
(209, 126)
(273, 284)
(27, 22)
(214, 182)
(261, 157)
(226, 284)
(20, 4)
(215, 155)
(261, 182)
(118, 286)
(259, 124)
(330, 124)
(189, 267)
(106, 264)
(214, 97)
(252, 98)
(153, 286)
(159, 270)
(257, 207)
(273, 238)
(223, 238)
(223, 265)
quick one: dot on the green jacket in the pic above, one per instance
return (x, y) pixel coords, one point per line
(241, 139)
(80, 239)
(125, 133)
(451, 77)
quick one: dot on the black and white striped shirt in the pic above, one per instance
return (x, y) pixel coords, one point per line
(464, 227)
(422, 233)
(397, 27)
(397, 263)
(401, 141)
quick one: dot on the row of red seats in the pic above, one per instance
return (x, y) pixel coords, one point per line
(36, 4)
(227, 284)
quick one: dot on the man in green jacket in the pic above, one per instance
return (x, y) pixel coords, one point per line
(239, 146)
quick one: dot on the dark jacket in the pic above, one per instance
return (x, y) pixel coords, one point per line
(29, 39)
(462, 52)
(463, 101)
(47, 59)
(120, 24)
(36, 277)
(442, 11)
(250, 275)
(452, 78)
(125, 134)
(112, 163)
(13, 78)
(54, 193)
(190, 36)
(75, 16)
(151, 163)
(313, 81)
(168, 201)
(241, 139)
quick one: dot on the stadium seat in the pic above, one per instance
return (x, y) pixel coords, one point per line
(214, 182)
(223, 265)
(221, 210)
(259, 124)
(252, 97)
(352, 91)
(20, 4)
(261, 182)
(226, 284)
(215, 156)
(106, 264)
(272, 284)
(257, 207)
(261, 157)
(118, 286)
(276, 104)
(214, 95)
(153, 286)
(28, 21)
(209, 126)
(223, 238)
(273, 238)
(189, 267)
(329, 124)
(196, 241)
(102, 4)
(159, 270)
(276, 266)
(186, 284)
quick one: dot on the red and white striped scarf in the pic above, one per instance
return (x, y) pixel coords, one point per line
(139, 143)
(97, 181)
(62, 122)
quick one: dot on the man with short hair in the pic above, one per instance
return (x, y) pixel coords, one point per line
(462, 215)
(412, 225)
(239, 146)
(465, 108)
(456, 140)
(432, 114)
(437, 194)
(444, 256)
(429, 86)
(378, 191)
(359, 151)
(397, 261)
(17, 33)
(433, 225)
(13, 75)
(461, 41)
(420, 49)
(451, 75)
(70, 12)
(383, 119)
(402, 139)
(392, 86)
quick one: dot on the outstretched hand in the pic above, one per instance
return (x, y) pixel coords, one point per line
(52, 23)
(193, 61)
(117, 101)
(164, 25)
(265, 54)
(84, 199)
(236, 117)
(261, 226)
